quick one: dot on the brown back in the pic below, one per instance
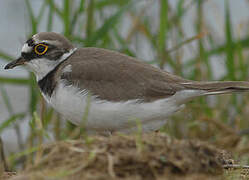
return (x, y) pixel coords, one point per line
(116, 77)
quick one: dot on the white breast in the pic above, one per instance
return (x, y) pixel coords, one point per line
(110, 116)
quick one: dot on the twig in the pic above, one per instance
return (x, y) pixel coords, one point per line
(244, 132)
(235, 166)
(111, 165)
(2, 158)
(220, 125)
(198, 36)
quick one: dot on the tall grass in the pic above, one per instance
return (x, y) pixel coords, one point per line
(90, 23)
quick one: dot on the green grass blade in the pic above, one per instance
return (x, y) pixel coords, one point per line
(48, 117)
(163, 26)
(66, 18)
(107, 3)
(41, 12)
(243, 64)
(6, 100)
(163, 30)
(14, 81)
(124, 47)
(54, 7)
(188, 40)
(180, 8)
(18, 155)
(77, 14)
(221, 49)
(32, 17)
(229, 44)
(34, 94)
(50, 19)
(6, 56)
(107, 26)
(90, 19)
(9, 121)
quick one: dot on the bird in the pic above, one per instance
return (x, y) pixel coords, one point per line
(117, 91)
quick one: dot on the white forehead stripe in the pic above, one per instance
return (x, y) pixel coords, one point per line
(26, 48)
(37, 41)
(51, 42)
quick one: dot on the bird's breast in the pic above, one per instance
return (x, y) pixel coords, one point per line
(74, 104)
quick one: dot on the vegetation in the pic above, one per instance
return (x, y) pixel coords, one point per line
(222, 120)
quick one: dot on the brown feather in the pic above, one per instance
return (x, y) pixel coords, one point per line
(218, 87)
(117, 77)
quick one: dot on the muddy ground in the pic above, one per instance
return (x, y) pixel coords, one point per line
(147, 157)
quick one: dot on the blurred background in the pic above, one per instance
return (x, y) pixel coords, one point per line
(196, 39)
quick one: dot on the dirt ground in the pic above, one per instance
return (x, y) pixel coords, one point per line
(147, 157)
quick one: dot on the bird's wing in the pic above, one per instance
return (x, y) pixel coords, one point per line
(116, 77)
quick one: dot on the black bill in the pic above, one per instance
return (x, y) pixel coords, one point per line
(17, 62)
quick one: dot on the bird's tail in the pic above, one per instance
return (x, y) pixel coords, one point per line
(194, 89)
(218, 87)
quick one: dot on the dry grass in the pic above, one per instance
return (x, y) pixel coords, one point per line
(154, 156)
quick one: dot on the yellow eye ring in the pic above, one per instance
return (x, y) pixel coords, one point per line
(41, 49)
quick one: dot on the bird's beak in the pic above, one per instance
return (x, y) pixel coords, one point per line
(17, 62)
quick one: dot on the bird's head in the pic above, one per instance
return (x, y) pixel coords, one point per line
(43, 52)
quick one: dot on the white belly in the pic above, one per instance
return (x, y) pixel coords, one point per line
(110, 116)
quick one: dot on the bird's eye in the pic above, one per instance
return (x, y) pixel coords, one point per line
(41, 49)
